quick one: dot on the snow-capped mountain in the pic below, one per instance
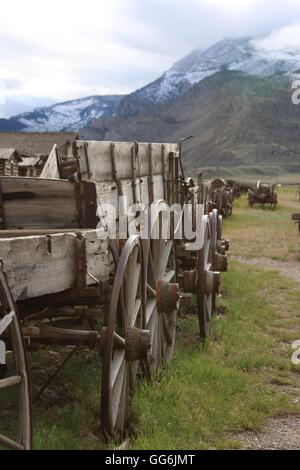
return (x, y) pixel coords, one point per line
(67, 116)
(253, 56)
(249, 55)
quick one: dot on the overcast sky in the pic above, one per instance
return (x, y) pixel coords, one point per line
(58, 50)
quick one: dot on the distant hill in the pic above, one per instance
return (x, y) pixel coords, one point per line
(67, 116)
(236, 119)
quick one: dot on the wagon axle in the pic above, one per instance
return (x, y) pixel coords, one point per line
(211, 284)
(136, 344)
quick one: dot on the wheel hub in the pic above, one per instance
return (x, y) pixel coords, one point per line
(137, 344)
(167, 296)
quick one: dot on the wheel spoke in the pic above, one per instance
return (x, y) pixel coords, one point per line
(151, 291)
(150, 309)
(159, 341)
(116, 365)
(6, 321)
(164, 257)
(131, 297)
(154, 337)
(169, 275)
(152, 273)
(136, 310)
(117, 392)
(119, 341)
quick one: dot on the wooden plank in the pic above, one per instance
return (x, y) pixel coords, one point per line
(51, 169)
(10, 381)
(38, 203)
(95, 159)
(41, 265)
(107, 196)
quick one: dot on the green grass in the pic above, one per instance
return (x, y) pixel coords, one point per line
(69, 417)
(207, 395)
(263, 232)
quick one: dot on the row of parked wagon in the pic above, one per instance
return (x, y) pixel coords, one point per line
(80, 269)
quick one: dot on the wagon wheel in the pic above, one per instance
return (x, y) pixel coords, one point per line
(161, 289)
(9, 322)
(208, 281)
(125, 343)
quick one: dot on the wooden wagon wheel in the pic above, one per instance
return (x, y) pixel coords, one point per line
(161, 290)
(9, 322)
(208, 281)
(124, 342)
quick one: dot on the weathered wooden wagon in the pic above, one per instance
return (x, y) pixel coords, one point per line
(263, 193)
(79, 269)
(221, 197)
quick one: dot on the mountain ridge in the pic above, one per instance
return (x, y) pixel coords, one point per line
(63, 116)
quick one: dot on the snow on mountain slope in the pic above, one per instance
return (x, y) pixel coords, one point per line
(68, 116)
(247, 55)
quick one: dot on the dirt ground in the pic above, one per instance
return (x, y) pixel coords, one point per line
(280, 434)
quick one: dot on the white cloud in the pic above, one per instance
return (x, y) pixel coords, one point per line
(61, 49)
(231, 5)
(50, 45)
(286, 38)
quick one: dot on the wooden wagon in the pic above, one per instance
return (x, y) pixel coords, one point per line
(70, 258)
(263, 193)
(222, 196)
